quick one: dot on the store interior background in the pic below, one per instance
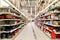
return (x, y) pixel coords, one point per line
(39, 18)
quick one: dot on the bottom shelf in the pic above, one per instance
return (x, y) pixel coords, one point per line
(9, 35)
(15, 35)
(6, 39)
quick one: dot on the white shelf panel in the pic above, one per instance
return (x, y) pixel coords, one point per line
(12, 24)
(56, 12)
(57, 32)
(6, 39)
(50, 19)
(13, 14)
(15, 29)
(53, 25)
(11, 30)
(9, 19)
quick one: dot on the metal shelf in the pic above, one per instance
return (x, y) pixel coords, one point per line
(11, 30)
(9, 19)
(11, 24)
(52, 25)
(51, 19)
(13, 14)
(56, 12)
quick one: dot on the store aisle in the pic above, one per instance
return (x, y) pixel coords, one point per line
(26, 34)
(31, 32)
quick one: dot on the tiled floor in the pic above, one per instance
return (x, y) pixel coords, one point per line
(31, 32)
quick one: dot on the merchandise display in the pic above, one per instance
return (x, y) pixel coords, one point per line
(10, 23)
(20, 5)
(50, 21)
(42, 4)
(19, 18)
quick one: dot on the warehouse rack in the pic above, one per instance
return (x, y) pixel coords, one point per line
(49, 21)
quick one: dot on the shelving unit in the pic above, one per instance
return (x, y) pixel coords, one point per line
(12, 22)
(49, 21)
(18, 5)
(43, 5)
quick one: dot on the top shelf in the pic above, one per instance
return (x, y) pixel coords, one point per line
(15, 8)
(46, 8)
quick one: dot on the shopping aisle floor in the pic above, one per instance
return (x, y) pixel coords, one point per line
(31, 32)
(26, 34)
(39, 34)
